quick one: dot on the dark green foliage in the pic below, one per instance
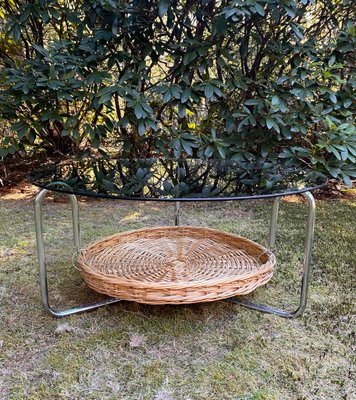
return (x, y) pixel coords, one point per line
(172, 179)
(256, 81)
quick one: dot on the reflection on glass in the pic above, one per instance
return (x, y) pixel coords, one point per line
(174, 179)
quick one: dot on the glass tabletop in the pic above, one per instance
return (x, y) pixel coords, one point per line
(175, 180)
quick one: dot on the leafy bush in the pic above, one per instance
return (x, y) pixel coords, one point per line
(262, 81)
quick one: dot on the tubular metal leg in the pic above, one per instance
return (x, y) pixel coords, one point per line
(273, 224)
(42, 263)
(176, 213)
(306, 262)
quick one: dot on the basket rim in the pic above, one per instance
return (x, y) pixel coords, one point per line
(268, 266)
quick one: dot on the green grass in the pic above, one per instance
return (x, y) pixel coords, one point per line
(216, 351)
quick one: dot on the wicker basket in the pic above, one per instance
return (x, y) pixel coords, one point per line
(175, 265)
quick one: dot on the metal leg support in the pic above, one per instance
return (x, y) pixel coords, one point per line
(306, 262)
(42, 263)
(176, 213)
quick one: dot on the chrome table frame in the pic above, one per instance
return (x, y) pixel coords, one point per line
(306, 262)
(42, 262)
(237, 300)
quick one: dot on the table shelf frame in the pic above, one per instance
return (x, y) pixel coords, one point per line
(43, 276)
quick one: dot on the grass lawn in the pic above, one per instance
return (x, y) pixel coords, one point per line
(216, 351)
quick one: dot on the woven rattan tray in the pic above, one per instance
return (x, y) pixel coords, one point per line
(175, 265)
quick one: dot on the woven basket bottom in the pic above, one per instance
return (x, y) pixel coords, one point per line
(175, 265)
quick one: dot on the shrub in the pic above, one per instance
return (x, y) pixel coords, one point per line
(262, 81)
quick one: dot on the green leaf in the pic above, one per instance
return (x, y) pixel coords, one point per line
(290, 11)
(209, 151)
(269, 122)
(167, 186)
(32, 136)
(222, 152)
(331, 62)
(219, 25)
(175, 90)
(275, 100)
(185, 95)
(140, 173)
(24, 16)
(189, 57)
(40, 49)
(244, 122)
(251, 102)
(228, 12)
(54, 85)
(187, 146)
(347, 180)
(151, 124)
(167, 96)
(218, 92)
(347, 103)
(147, 108)
(344, 155)
(252, 120)
(3, 152)
(259, 9)
(282, 79)
(276, 127)
(139, 111)
(109, 184)
(12, 149)
(297, 29)
(333, 98)
(18, 125)
(105, 98)
(182, 110)
(209, 90)
(16, 32)
(265, 150)
(335, 152)
(141, 127)
(95, 77)
(343, 126)
(333, 171)
(163, 7)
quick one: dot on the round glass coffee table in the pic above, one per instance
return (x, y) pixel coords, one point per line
(175, 264)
